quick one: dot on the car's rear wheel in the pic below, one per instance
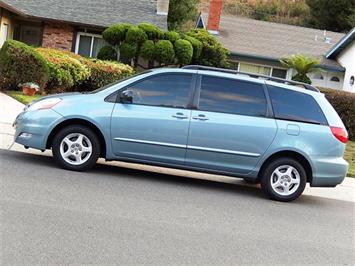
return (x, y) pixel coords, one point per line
(76, 148)
(283, 179)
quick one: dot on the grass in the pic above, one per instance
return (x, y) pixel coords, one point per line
(19, 96)
(350, 157)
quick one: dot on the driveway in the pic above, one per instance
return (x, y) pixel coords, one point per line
(114, 215)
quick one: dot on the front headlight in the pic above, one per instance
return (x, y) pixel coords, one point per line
(44, 104)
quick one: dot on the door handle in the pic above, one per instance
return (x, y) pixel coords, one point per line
(180, 116)
(200, 117)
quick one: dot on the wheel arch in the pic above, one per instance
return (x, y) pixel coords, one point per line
(82, 122)
(290, 154)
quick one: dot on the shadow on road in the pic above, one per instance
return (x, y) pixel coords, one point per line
(221, 184)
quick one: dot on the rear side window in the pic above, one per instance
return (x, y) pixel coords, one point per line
(232, 96)
(295, 106)
(167, 90)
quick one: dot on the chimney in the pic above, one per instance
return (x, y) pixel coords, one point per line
(162, 7)
(214, 16)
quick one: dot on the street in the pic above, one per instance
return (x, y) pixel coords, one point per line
(114, 215)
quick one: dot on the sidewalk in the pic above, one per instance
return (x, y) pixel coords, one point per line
(10, 108)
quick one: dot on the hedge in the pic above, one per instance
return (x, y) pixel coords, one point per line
(164, 52)
(55, 70)
(183, 51)
(152, 31)
(20, 63)
(344, 103)
(116, 34)
(107, 53)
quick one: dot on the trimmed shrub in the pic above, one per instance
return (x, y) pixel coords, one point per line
(183, 52)
(107, 53)
(152, 31)
(164, 52)
(172, 36)
(66, 71)
(136, 35)
(147, 50)
(128, 51)
(104, 73)
(213, 53)
(344, 103)
(197, 46)
(20, 63)
(116, 34)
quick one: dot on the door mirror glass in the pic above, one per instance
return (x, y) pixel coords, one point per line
(126, 96)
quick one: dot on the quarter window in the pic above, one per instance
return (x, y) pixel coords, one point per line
(295, 106)
(232, 96)
(171, 90)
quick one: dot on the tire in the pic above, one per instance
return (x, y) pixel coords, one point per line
(76, 148)
(283, 179)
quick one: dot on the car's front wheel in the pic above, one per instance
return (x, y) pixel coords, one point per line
(76, 148)
(284, 179)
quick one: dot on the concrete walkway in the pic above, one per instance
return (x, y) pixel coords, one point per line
(10, 108)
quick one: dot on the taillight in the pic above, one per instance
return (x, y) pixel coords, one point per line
(340, 133)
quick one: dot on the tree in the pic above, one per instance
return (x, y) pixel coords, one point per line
(181, 12)
(332, 15)
(303, 65)
(184, 52)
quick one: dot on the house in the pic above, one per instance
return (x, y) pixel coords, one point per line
(257, 46)
(74, 25)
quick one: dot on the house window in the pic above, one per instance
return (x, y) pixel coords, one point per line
(335, 79)
(279, 73)
(234, 65)
(88, 44)
(249, 68)
(31, 35)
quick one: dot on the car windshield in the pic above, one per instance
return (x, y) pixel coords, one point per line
(117, 82)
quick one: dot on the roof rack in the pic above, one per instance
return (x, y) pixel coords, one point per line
(257, 76)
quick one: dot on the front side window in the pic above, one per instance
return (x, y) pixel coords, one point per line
(295, 106)
(88, 44)
(232, 96)
(168, 90)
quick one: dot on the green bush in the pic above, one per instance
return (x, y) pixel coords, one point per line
(107, 53)
(172, 36)
(183, 52)
(152, 31)
(128, 51)
(116, 34)
(66, 71)
(197, 46)
(135, 35)
(213, 53)
(147, 50)
(103, 73)
(20, 63)
(302, 78)
(164, 52)
(344, 103)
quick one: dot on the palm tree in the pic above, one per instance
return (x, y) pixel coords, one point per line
(303, 65)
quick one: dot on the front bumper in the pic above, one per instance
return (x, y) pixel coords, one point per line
(328, 172)
(33, 127)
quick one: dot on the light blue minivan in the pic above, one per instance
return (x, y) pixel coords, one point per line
(282, 134)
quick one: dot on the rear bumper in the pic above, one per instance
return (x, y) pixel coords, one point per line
(328, 172)
(33, 127)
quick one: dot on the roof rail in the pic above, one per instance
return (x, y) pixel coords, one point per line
(257, 76)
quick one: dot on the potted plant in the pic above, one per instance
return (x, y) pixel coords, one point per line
(29, 88)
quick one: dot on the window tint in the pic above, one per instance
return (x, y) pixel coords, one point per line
(296, 106)
(169, 90)
(232, 96)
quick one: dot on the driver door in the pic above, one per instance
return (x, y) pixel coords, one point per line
(154, 124)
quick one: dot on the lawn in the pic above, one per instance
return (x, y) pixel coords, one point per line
(18, 95)
(350, 157)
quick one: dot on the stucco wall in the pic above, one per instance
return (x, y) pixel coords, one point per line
(347, 60)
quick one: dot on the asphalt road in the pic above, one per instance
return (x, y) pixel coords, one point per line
(113, 215)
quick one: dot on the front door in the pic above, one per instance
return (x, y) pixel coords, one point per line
(230, 130)
(154, 126)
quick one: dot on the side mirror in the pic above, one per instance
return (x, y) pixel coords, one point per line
(126, 96)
